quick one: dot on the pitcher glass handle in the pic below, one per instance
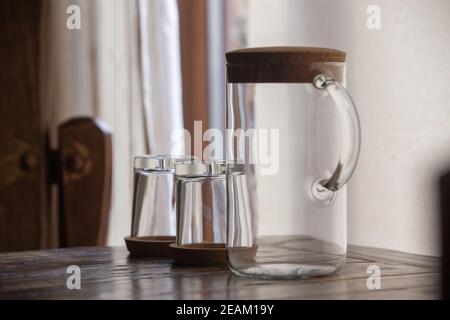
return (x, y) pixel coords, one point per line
(324, 189)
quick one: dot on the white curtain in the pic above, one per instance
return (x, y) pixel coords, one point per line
(161, 72)
(123, 66)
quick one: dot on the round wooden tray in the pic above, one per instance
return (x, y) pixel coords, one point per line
(199, 254)
(155, 246)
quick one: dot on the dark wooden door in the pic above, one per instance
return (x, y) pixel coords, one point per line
(23, 173)
(81, 168)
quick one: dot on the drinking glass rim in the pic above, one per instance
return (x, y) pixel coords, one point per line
(207, 168)
(159, 162)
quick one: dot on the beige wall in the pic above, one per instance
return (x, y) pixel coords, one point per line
(399, 78)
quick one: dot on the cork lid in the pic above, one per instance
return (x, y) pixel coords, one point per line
(278, 64)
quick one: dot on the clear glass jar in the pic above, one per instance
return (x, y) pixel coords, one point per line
(201, 208)
(154, 197)
(294, 126)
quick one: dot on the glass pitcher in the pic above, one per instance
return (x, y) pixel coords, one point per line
(295, 128)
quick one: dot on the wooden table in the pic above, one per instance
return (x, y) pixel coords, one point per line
(108, 273)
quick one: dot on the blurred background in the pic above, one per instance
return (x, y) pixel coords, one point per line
(145, 68)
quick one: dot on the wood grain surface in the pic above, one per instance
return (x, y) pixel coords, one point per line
(109, 273)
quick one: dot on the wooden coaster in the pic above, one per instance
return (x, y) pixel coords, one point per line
(156, 246)
(199, 254)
